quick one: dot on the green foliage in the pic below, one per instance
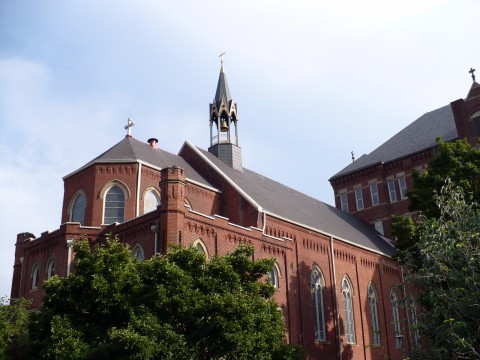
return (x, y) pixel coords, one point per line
(457, 161)
(405, 230)
(445, 268)
(14, 322)
(175, 306)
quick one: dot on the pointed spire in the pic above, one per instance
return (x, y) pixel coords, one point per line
(223, 92)
(223, 105)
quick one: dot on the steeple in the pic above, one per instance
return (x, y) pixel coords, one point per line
(223, 113)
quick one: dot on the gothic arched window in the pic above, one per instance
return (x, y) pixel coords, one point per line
(317, 285)
(150, 201)
(50, 268)
(347, 293)
(138, 252)
(274, 276)
(416, 332)
(200, 246)
(396, 320)
(77, 213)
(114, 209)
(35, 275)
(372, 302)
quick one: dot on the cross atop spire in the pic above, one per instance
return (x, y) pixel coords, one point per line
(221, 60)
(128, 127)
(472, 71)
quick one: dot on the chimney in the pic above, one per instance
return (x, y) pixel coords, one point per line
(153, 142)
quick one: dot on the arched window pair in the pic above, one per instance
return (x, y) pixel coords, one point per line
(317, 287)
(50, 271)
(397, 326)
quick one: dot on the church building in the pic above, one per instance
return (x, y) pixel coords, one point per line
(335, 279)
(374, 186)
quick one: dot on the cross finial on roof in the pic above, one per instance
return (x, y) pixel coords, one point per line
(353, 156)
(221, 56)
(472, 71)
(128, 127)
(221, 60)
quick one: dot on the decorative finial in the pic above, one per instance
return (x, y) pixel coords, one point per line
(221, 60)
(353, 156)
(472, 71)
(128, 127)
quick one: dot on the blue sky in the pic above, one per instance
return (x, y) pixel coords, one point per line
(313, 80)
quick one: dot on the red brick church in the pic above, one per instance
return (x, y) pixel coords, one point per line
(334, 273)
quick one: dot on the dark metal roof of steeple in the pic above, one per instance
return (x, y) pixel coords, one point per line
(223, 92)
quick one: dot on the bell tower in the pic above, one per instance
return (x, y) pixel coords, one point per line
(223, 114)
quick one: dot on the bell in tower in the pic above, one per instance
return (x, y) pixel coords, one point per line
(223, 124)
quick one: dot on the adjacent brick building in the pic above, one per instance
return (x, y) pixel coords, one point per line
(374, 186)
(334, 274)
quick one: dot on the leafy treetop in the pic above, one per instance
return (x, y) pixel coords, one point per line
(167, 307)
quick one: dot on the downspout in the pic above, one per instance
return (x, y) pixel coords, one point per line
(154, 228)
(139, 177)
(384, 311)
(299, 292)
(69, 254)
(406, 309)
(287, 293)
(361, 312)
(339, 343)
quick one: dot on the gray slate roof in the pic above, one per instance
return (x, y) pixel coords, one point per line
(132, 150)
(418, 136)
(293, 205)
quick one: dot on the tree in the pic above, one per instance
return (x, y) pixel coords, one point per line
(168, 307)
(445, 269)
(13, 329)
(457, 161)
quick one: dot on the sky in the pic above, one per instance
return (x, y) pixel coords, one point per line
(313, 81)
